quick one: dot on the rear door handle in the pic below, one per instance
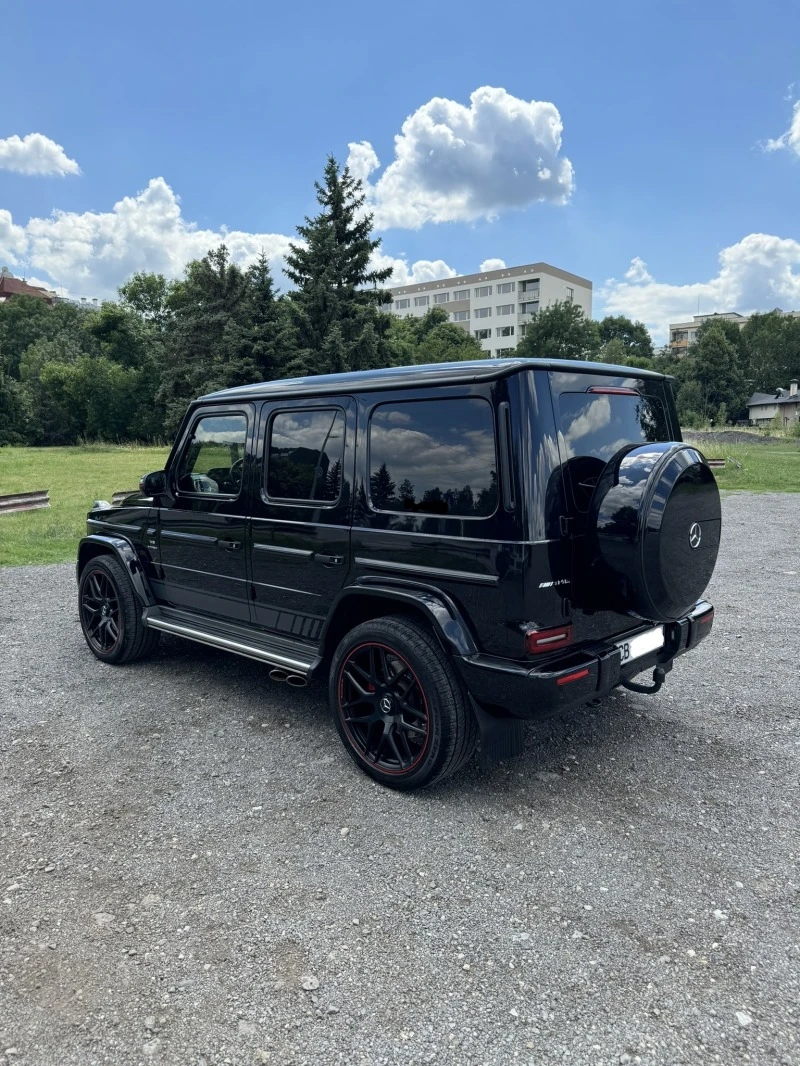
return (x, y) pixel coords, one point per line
(328, 560)
(230, 545)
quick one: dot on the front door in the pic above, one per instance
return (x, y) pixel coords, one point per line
(301, 515)
(202, 556)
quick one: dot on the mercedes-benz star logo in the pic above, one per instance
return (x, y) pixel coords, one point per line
(386, 704)
(695, 534)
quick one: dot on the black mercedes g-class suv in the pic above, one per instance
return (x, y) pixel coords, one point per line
(456, 548)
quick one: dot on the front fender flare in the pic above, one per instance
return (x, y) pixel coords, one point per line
(104, 544)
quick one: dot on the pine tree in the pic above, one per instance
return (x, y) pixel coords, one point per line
(381, 487)
(267, 334)
(407, 497)
(336, 306)
(207, 336)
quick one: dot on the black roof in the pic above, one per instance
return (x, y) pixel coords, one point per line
(464, 373)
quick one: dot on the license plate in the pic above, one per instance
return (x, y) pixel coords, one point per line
(641, 644)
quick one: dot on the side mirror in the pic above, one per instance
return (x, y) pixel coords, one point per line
(153, 484)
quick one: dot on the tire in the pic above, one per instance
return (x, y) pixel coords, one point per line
(426, 731)
(110, 613)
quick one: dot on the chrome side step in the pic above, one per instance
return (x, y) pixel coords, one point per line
(153, 618)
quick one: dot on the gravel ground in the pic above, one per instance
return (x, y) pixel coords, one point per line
(194, 872)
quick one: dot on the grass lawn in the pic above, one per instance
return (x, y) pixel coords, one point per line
(75, 477)
(762, 467)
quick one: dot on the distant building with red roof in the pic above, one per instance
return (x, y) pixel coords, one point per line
(11, 287)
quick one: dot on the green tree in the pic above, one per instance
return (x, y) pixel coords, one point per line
(690, 403)
(616, 352)
(23, 321)
(267, 335)
(560, 331)
(430, 339)
(336, 306)
(714, 366)
(634, 340)
(771, 344)
(91, 397)
(16, 412)
(148, 295)
(207, 345)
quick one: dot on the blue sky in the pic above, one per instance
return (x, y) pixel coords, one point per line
(679, 139)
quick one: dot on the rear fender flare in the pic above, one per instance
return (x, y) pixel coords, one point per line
(437, 608)
(120, 547)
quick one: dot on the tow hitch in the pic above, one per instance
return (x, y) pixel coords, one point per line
(659, 677)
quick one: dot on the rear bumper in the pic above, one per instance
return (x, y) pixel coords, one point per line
(573, 677)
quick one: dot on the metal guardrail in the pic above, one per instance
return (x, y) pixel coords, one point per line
(715, 463)
(24, 501)
(118, 497)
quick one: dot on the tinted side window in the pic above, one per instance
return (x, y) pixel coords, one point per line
(306, 449)
(213, 456)
(433, 457)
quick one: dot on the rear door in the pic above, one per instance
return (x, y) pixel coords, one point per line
(202, 561)
(301, 516)
(597, 415)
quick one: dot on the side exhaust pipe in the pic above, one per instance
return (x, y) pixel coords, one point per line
(295, 680)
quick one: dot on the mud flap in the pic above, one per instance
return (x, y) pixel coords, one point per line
(501, 738)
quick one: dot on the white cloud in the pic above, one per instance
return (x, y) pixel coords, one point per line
(414, 274)
(758, 273)
(13, 241)
(454, 163)
(95, 252)
(492, 264)
(791, 138)
(35, 154)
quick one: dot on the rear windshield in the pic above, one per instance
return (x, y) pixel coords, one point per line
(594, 426)
(600, 424)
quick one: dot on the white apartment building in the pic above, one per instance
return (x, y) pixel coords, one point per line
(683, 335)
(497, 305)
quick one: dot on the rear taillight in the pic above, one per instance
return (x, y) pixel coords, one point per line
(538, 641)
(704, 619)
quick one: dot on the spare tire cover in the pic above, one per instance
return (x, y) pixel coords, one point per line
(655, 521)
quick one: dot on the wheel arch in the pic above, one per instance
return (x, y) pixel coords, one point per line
(123, 550)
(362, 602)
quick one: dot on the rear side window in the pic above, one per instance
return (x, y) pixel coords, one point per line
(593, 428)
(306, 449)
(213, 456)
(433, 457)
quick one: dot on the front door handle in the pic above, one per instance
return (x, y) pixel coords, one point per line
(230, 545)
(328, 560)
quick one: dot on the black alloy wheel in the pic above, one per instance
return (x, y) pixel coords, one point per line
(398, 704)
(383, 708)
(111, 613)
(100, 612)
